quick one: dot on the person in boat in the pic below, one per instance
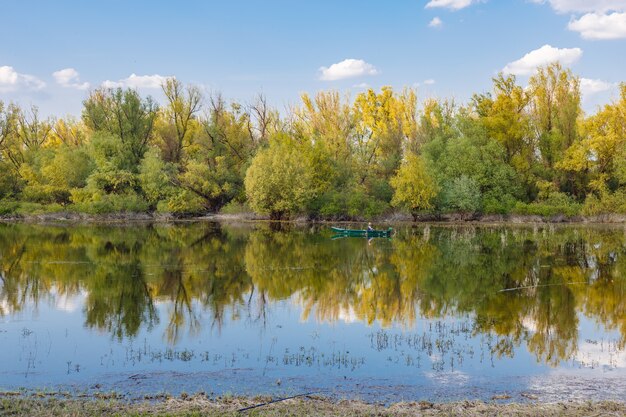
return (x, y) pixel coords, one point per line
(369, 227)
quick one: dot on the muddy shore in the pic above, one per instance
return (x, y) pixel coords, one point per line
(43, 405)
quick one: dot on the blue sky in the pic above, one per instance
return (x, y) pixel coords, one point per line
(54, 52)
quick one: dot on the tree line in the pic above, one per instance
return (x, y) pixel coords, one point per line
(524, 150)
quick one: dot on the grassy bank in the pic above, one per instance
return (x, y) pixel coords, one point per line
(199, 405)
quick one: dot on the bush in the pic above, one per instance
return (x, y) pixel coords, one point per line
(28, 208)
(607, 203)
(46, 194)
(361, 205)
(8, 207)
(493, 204)
(183, 203)
(235, 207)
(461, 195)
(113, 203)
(352, 203)
(556, 204)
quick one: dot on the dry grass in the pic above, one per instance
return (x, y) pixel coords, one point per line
(199, 405)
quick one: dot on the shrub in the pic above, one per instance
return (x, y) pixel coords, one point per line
(113, 203)
(8, 207)
(556, 204)
(462, 195)
(183, 203)
(606, 203)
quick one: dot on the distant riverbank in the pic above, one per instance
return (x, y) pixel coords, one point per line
(200, 405)
(392, 218)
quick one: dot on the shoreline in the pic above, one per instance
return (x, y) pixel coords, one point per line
(393, 218)
(111, 404)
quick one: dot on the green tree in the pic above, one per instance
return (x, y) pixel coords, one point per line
(126, 116)
(219, 157)
(462, 194)
(280, 178)
(183, 104)
(156, 178)
(554, 111)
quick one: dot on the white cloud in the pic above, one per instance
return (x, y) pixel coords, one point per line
(600, 26)
(585, 6)
(427, 82)
(348, 68)
(542, 56)
(589, 87)
(450, 4)
(11, 80)
(435, 23)
(70, 78)
(137, 81)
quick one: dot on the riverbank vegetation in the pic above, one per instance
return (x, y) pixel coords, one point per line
(515, 150)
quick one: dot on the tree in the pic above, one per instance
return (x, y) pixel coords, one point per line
(156, 178)
(264, 121)
(462, 194)
(218, 159)
(50, 175)
(384, 122)
(598, 161)
(69, 132)
(413, 186)
(554, 110)
(505, 118)
(183, 105)
(328, 120)
(9, 180)
(125, 115)
(279, 180)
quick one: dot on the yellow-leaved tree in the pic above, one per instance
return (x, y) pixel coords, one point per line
(600, 157)
(414, 188)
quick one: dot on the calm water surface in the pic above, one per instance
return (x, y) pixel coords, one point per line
(438, 313)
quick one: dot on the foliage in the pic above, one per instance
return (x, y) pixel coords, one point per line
(280, 179)
(110, 203)
(125, 115)
(606, 203)
(462, 195)
(512, 149)
(156, 178)
(413, 186)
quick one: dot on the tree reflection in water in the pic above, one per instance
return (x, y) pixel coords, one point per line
(527, 285)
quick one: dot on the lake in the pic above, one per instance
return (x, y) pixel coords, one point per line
(436, 313)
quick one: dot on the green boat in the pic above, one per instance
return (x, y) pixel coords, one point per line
(362, 233)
